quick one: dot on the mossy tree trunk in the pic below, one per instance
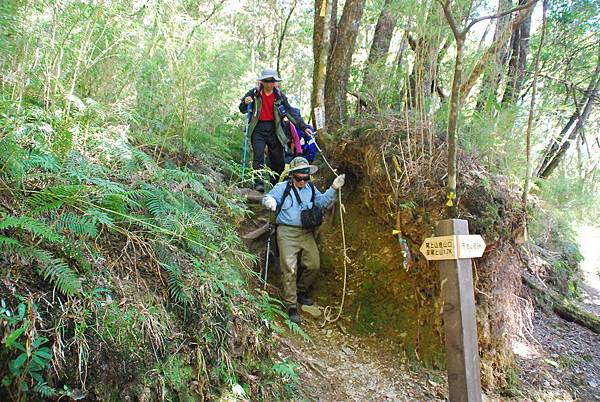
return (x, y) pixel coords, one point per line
(321, 36)
(338, 70)
(379, 47)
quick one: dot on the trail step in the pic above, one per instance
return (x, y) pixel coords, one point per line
(255, 234)
(252, 195)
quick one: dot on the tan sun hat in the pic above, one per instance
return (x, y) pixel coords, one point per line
(301, 165)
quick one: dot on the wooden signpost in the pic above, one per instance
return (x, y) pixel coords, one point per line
(453, 247)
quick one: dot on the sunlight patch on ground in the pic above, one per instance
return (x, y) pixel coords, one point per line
(589, 241)
(524, 349)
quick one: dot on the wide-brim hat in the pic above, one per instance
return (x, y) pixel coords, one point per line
(268, 73)
(301, 165)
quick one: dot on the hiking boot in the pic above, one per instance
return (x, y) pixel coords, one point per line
(303, 298)
(260, 188)
(294, 315)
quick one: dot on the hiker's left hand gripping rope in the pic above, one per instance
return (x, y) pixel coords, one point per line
(248, 115)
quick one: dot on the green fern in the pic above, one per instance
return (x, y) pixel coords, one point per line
(54, 269)
(54, 197)
(42, 160)
(45, 391)
(8, 242)
(176, 286)
(32, 226)
(77, 225)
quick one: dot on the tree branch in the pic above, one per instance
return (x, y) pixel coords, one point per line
(451, 21)
(283, 30)
(499, 15)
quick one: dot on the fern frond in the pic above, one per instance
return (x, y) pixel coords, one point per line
(32, 226)
(8, 242)
(168, 262)
(77, 225)
(98, 216)
(44, 390)
(43, 160)
(11, 160)
(54, 269)
(54, 197)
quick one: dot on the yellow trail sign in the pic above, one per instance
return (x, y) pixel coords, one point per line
(452, 247)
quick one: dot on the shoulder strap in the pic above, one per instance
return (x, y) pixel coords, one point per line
(312, 187)
(296, 194)
(286, 192)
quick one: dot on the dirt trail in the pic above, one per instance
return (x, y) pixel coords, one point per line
(561, 364)
(336, 366)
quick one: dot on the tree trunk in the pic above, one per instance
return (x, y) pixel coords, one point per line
(339, 64)
(556, 150)
(423, 77)
(379, 47)
(519, 44)
(333, 27)
(320, 53)
(453, 130)
(493, 75)
(561, 306)
(536, 72)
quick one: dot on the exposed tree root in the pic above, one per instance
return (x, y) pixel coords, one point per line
(561, 306)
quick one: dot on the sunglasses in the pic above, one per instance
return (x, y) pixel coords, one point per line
(301, 178)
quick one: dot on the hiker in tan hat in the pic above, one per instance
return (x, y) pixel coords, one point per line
(297, 204)
(269, 108)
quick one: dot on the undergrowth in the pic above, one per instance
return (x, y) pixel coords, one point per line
(122, 271)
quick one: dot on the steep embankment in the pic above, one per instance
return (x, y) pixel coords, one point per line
(397, 175)
(122, 274)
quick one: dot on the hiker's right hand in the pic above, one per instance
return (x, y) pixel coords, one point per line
(248, 100)
(339, 181)
(271, 203)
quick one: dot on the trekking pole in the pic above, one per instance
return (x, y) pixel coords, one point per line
(264, 275)
(248, 114)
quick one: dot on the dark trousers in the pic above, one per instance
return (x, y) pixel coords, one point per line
(264, 135)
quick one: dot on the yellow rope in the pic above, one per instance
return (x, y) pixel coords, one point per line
(327, 314)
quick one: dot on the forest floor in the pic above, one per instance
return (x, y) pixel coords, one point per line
(561, 364)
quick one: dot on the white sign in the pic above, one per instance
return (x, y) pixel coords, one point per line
(452, 247)
(470, 246)
(319, 117)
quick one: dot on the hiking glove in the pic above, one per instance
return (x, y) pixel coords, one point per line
(338, 181)
(270, 203)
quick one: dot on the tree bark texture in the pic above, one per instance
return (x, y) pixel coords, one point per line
(493, 75)
(556, 149)
(379, 47)
(321, 46)
(339, 64)
(519, 44)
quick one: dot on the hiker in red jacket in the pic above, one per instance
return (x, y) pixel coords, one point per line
(269, 108)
